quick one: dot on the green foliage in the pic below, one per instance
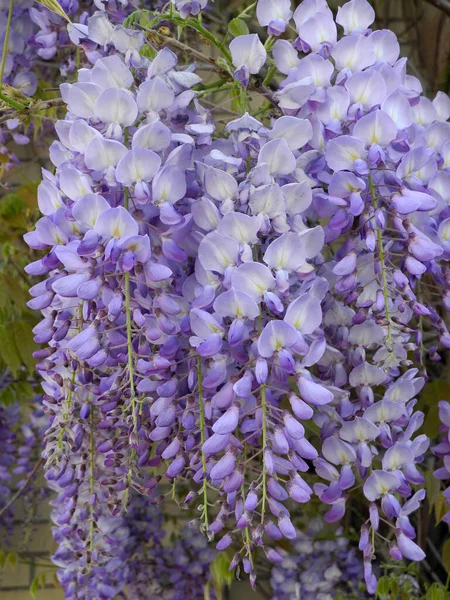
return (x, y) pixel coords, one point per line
(221, 575)
(399, 584)
(440, 508)
(433, 487)
(55, 7)
(437, 592)
(8, 559)
(432, 393)
(39, 582)
(238, 27)
(446, 556)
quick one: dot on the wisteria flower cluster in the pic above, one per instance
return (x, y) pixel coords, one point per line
(317, 568)
(250, 312)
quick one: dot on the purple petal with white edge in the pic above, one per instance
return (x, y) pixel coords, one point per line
(228, 422)
(243, 228)
(278, 156)
(116, 105)
(236, 304)
(304, 313)
(285, 56)
(102, 153)
(88, 208)
(355, 16)
(220, 185)
(297, 132)
(285, 253)
(376, 128)
(169, 185)
(138, 164)
(342, 152)
(154, 95)
(275, 336)
(408, 548)
(313, 392)
(380, 483)
(218, 252)
(116, 223)
(153, 136)
(248, 51)
(224, 467)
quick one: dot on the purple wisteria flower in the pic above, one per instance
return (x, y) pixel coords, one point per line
(243, 313)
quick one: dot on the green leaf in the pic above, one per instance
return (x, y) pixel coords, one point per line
(55, 7)
(446, 556)
(437, 592)
(34, 587)
(17, 294)
(432, 393)
(440, 508)
(220, 571)
(11, 560)
(8, 349)
(2, 558)
(433, 487)
(23, 337)
(8, 395)
(384, 587)
(238, 27)
(148, 51)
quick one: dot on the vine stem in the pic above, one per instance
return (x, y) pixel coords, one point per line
(264, 445)
(11, 102)
(91, 484)
(202, 438)
(6, 42)
(383, 266)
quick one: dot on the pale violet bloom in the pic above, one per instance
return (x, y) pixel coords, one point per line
(355, 16)
(248, 55)
(186, 8)
(353, 52)
(346, 153)
(276, 336)
(380, 483)
(285, 56)
(274, 14)
(318, 30)
(366, 88)
(277, 155)
(308, 9)
(117, 109)
(376, 128)
(297, 132)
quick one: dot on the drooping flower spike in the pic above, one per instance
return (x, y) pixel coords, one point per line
(246, 314)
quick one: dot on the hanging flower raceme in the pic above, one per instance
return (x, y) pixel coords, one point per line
(442, 450)
(316, 568)
(247, 314)
(9, 417)
(119, 243)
